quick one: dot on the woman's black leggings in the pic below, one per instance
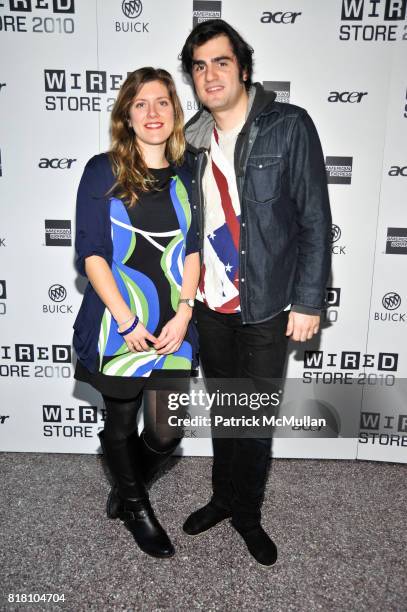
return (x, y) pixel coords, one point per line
(121, 420)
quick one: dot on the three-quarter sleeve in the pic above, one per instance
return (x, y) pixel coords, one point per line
(92, 213)
(192, 241)
(192, 238)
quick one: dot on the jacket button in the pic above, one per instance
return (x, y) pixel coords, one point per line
(243, 224)
(195, 207)
(242, 280)
(243, 252)
(193, 180)
(260, 165)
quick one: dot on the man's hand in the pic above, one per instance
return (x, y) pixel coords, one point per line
(302, 327)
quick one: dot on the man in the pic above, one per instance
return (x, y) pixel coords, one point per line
(264, 223)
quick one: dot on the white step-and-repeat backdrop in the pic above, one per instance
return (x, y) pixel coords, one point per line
(345, 61)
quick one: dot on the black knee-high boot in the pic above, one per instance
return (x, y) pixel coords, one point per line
(114, 503)
(135, 509)
(151, 462)
(154, 460)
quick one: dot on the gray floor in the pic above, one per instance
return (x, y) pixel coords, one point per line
(340, 527)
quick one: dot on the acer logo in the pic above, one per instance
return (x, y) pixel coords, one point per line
(346, 96)
(398, 171)
(56, 163)
(279, 17)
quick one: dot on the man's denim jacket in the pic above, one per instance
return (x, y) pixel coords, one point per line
(285, 230)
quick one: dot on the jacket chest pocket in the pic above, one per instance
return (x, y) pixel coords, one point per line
(263, 179)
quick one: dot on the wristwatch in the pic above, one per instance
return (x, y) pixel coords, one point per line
(188, 301)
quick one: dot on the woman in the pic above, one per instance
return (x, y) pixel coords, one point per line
(136, 245)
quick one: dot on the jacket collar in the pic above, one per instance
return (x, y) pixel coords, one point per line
(199, 128)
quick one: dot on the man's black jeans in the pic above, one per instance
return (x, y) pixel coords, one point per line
(229, 349)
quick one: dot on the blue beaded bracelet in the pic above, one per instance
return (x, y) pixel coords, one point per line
(129, 329)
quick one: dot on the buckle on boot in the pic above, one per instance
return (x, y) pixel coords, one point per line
(132, 515)
(126, 515)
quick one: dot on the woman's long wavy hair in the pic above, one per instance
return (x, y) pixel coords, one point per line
(132, 175)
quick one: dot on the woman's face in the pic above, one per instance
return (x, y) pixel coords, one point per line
(152, 114)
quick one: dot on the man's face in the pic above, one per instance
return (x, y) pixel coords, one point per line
(215, 72)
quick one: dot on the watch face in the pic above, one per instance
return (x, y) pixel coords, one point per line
(188, 301)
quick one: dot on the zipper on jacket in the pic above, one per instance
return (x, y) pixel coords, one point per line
(199, 174)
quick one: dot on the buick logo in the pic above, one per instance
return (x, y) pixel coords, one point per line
(132, 8)
(391, 300)
(57, 293)
(335, 233)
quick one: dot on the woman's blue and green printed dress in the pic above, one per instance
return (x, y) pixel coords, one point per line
(148, 259)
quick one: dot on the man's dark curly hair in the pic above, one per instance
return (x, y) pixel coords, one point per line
(211, 29)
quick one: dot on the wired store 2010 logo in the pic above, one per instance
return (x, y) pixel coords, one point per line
(333, 301)
(373, 20)
(58, 232)
(3, 296)
(281, 88)
(39, 16)
(25, 360)
(339, 170)
(132, 9)
(76, 91)
(203, 10)
(384, 429)
(331, 368)
(71, 422)
(333, 297)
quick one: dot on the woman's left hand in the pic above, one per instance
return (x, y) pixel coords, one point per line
(172, 334)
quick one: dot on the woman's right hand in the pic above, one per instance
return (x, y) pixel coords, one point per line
(136, 340)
